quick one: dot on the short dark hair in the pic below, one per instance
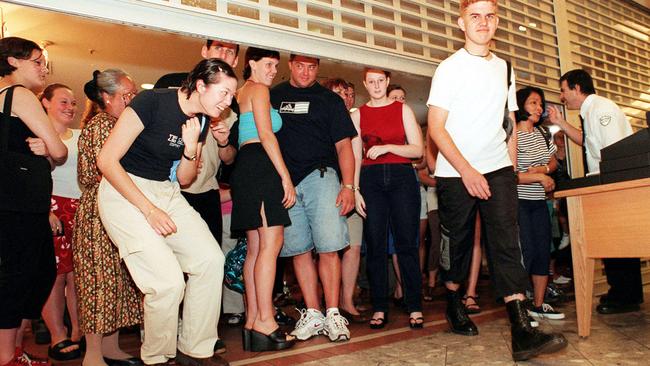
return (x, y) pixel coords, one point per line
(392, 87)
(209, 43)
(15, 47)
(335, 82)
(256, 54)
(293, 56)
(209, 70)
(522, 97)
(579, 77)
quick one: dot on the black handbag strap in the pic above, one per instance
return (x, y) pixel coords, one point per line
(6, 114)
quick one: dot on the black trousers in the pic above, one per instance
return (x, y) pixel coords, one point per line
(208, 205)
(457, 211)
(624, 279)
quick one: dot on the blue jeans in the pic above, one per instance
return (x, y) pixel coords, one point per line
(392, 198)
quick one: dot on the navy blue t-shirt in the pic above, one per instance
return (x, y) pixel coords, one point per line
(160, 143)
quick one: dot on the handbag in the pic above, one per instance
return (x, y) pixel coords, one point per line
(234, 267)
(25, 180)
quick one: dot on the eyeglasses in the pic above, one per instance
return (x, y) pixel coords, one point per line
(42, 63)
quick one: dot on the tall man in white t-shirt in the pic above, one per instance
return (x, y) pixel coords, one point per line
(474, 172)
(604, 123)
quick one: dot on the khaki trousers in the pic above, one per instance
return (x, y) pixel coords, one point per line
(157, 264)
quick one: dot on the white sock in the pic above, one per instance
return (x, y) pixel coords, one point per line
(332, 311)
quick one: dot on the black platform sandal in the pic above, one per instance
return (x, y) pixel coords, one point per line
(277, 340)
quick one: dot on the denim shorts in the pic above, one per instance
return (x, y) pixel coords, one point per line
(315, 219)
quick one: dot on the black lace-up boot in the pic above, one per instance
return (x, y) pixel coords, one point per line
(528, 342)
(457, 318)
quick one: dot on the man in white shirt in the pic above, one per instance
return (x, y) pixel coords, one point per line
(474, 172)
(604, 123)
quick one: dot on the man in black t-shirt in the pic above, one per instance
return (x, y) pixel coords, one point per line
(315, 140)
(203, 193)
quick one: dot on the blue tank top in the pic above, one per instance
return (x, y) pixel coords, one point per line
(248, 130)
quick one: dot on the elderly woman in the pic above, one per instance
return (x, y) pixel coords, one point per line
(108, 299)
(29, 147)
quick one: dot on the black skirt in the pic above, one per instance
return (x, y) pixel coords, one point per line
(254, 182)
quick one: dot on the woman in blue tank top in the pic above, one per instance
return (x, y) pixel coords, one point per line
(262, 192)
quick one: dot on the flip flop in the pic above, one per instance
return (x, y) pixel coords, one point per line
(56, 352)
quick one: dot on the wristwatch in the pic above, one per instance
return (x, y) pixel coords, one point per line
(190, 158)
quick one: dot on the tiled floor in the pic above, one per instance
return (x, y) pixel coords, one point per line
(615, 340)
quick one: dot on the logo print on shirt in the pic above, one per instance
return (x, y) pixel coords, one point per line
(175, 141)
(294, 107)
(605, 120)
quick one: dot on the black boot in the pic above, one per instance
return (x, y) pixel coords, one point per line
(457, 318)
(528, 342)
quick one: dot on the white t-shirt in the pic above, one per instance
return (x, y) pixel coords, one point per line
(605, 124)
(64, 177)
(473, 90)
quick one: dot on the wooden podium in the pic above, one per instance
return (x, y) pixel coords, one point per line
(606, 221)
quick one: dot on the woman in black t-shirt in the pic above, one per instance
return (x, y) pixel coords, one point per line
(157, 233)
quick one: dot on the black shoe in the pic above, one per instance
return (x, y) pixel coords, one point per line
(273, 342)
(133, 361)
(617, 308)
(246, 339)
(607, 298)
(528, 342)
(219, 347)
(282, 318)
(457, 317)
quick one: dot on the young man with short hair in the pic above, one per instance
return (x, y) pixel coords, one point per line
(315, 140)
(604, 123)
(474, 172)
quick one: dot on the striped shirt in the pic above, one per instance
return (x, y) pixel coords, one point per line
(532, 150)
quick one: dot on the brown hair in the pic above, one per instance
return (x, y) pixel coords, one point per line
(465, 3)
(367, 70)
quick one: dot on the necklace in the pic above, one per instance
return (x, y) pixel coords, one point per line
(471, 54)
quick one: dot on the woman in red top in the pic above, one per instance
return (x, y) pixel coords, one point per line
(389, 193)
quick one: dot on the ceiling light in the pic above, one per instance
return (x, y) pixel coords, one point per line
(146, 86)
(532, 25)
(522, 28)
(632, 32)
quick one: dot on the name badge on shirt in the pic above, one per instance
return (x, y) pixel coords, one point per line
(294, 107)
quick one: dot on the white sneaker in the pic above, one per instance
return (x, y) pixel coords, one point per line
(562, 280)
(545, 311)
(311, 323)
(336, 327)
(564, 242)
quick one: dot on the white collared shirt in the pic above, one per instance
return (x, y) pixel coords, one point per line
(604, 124)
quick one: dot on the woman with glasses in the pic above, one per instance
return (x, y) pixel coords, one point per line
(108, 299)
(29, 148)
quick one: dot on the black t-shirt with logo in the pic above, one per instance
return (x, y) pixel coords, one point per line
(314, 119)
(160, 143)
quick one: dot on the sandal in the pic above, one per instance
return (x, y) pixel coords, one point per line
(56, 352)
(416, 323)
(428, 294)
(379, 322)
(471, 308)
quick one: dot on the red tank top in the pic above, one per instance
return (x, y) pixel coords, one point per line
(382, 126)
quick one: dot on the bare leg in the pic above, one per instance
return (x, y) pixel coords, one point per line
(93, 356)
(349, 271)
(329, 269)
(539, 289)
(71, 302)
(270, 244)
(398, 294)
(252, 251)
(307, 277)
(53, 313)
(111, 347)
(475, 267)
(21, 331)
(7, 345)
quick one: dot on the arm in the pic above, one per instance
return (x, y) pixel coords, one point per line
(357, 150)
(527, 178)
(412, 149)
(555, 117)
(261, 105)
(512, 143)
(475, 183)
(187, 169)
(221, 133)
(29, 110)
(430, 152)
(345, 199)
(127, 128)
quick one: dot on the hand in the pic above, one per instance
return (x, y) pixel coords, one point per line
(289, 198)
(190, 133)
(199, 165)
(37, 146)
(547, 182)
(360, 204)
(476, 184)
(160, 222)
(220, 132)
(554, 115)
(377, 151)
(345, 200)
(55, 224)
